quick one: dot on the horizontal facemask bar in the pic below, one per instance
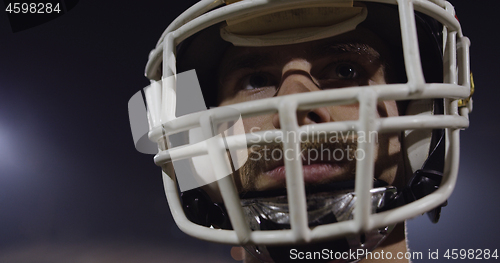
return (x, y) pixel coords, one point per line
(385, 125)
(318, 99)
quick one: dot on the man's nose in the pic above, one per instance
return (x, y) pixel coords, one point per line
(297, 79)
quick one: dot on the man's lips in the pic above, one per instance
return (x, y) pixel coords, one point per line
(313, 172)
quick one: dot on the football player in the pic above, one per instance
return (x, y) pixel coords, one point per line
(330, 123)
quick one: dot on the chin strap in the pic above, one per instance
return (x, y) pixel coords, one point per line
(200, 209)
(425, 180)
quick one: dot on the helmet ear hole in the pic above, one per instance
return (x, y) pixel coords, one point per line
(417, 143)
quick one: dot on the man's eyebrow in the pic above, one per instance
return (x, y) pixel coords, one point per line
(344, 48)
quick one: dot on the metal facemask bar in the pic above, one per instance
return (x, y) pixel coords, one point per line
(161, 99)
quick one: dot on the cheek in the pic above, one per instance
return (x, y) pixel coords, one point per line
(227, 102)
(344, 112)
(246, 95)
(258, 123)
(391, 107)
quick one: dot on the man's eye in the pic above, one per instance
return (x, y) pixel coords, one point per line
(340, 71)
(258, 80)
(345, 71)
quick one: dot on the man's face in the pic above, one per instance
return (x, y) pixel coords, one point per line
(356, 58)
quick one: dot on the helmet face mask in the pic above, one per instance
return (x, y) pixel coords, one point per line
(383, 93)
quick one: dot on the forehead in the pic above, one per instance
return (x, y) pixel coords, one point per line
(360, 41)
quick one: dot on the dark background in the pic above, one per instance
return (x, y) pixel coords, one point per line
(74, 189)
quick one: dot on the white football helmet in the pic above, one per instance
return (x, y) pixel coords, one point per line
(203, 199)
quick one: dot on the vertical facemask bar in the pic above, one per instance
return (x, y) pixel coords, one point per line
(411, 52)
(450, 63)
(168, 80)
(294, 174)
(452, 146)
(153, 100)
(167, 113)
(464, 72)
(174, 203)
(450, 108)
(365, 167)
(450, 170)
(447, 54)
(218, 155)
(464, 62)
